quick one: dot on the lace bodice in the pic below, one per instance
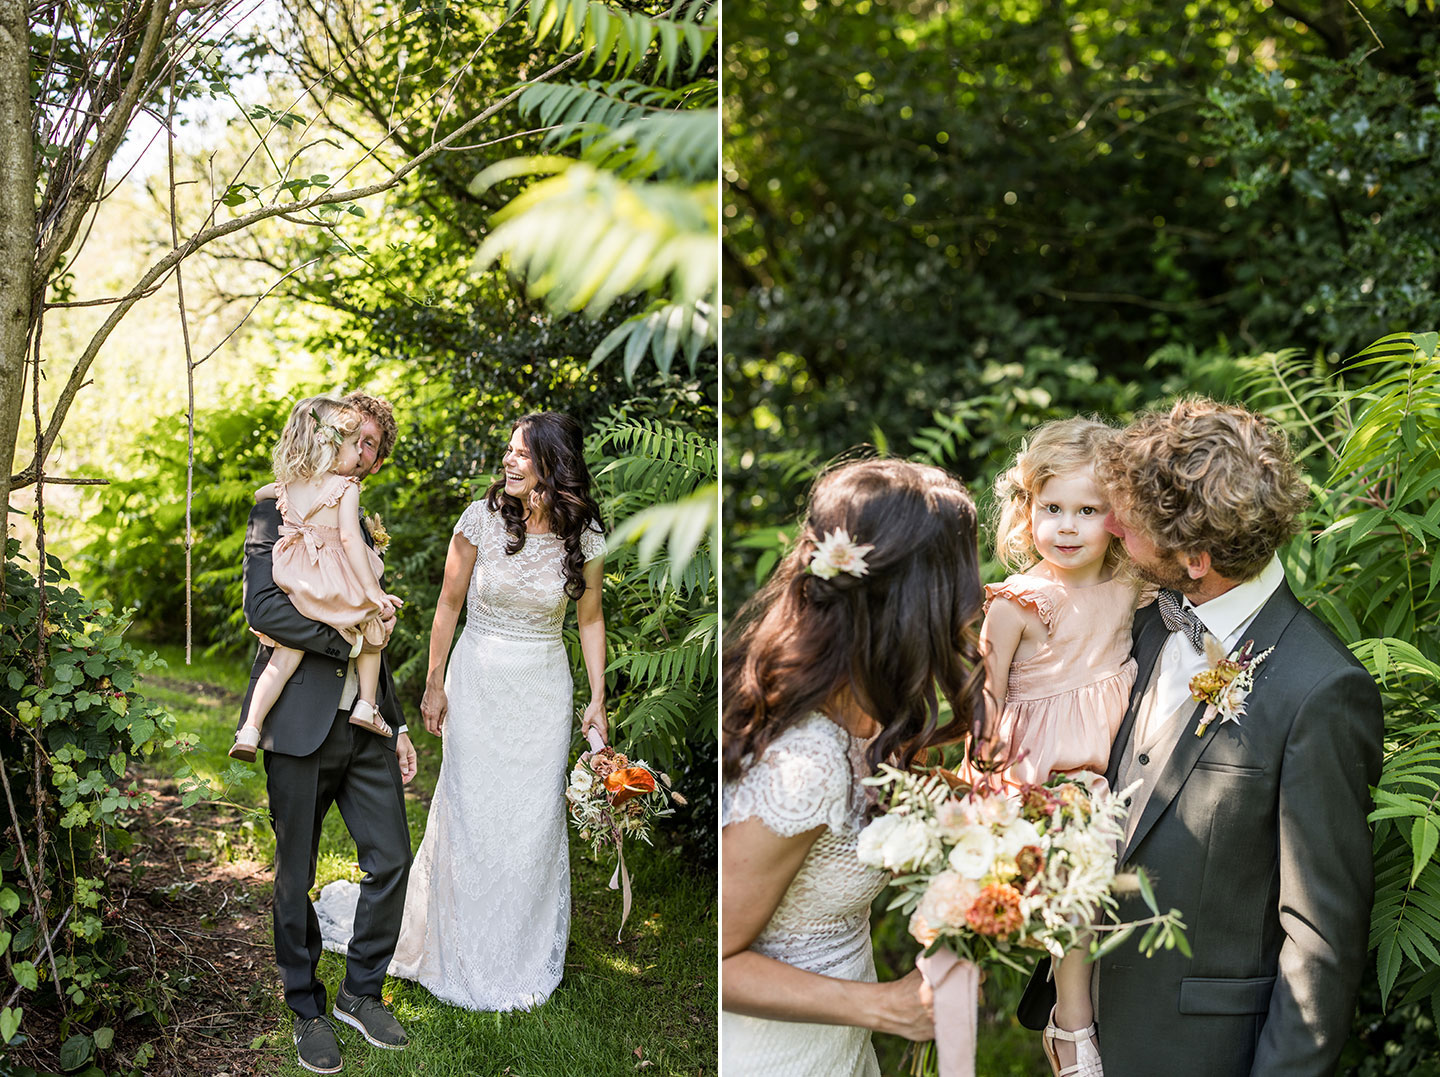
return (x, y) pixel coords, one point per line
(808, 777)
(520, 596)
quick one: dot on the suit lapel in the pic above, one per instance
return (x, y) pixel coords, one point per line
(1150, 637)
(1274, 617)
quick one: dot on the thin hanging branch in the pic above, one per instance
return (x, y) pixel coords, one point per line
(189, 377)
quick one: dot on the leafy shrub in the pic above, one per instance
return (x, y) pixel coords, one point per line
(1367, 569)
(72, 727)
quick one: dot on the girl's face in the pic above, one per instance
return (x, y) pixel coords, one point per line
(520, 474)
(1067, 520)
(348, 456)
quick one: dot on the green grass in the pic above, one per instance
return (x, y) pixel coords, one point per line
(656, 992)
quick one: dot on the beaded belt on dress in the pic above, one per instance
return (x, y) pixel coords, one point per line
(509, 628)
(817, 949)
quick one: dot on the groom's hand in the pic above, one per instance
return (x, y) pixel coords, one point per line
(405, 753)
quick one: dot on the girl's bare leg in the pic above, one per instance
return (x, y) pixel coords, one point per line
(284, 661)
(367, 670)
(1073, 1013)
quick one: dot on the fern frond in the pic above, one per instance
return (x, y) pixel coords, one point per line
(625, 37)
(585, 237)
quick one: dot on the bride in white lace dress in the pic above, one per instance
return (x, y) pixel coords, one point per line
(835, 667)
(487, 911)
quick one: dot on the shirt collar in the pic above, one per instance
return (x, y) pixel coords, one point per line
(1224, 615)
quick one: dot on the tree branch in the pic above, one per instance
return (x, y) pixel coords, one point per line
(162, 268)
(91, 173)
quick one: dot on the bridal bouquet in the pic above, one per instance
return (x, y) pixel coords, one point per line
(610, 797)
(986, 874)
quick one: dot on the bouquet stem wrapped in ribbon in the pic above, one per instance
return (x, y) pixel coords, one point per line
(988, 877)
(610, 797)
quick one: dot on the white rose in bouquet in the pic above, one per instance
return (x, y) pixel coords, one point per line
(1017, 834)
(581, 782)
(871, 848)
(910, 846)
(973, 854)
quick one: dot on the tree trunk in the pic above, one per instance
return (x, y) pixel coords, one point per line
(17, 227)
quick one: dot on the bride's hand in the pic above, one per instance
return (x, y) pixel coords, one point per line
(595, 716)
(433, 708)
(908, 1007)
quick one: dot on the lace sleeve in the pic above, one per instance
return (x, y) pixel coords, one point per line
(472, 522)
(802, 781)
(592, 543)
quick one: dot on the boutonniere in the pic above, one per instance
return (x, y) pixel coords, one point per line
(1224, 687)
(378, 534)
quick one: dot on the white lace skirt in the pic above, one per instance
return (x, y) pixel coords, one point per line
(487, 911)
(751, 1046)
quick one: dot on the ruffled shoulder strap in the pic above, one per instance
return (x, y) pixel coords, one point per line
(592, 542)
(1042, 596)
(282, 501)
(473, 521)
(802, 781)
(339, 484)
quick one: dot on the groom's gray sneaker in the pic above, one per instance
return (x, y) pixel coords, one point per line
(369, 1015)
(315, 1045)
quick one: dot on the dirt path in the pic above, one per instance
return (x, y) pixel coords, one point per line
(194, 917)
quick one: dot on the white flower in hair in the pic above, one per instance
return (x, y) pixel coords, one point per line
(837, 553)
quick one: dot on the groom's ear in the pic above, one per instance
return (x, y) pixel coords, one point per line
(1197, 565)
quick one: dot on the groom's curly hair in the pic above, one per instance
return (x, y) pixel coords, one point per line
(889, 638)
(1207, 477)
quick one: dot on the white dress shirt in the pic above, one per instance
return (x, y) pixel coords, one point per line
(1226, 618)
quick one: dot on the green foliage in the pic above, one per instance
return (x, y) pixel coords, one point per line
(136, 557)
(72, 729)
(1367, 568)
(918, 196)
(661, 615)
(624, 37)
(634, 213)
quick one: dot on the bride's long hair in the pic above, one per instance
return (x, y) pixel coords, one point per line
(889, 637)
(562, 489)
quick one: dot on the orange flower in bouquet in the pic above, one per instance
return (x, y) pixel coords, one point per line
(611, 797)
(628, 783)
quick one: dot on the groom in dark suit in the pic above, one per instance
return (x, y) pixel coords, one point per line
(1255, 829)
(315, 758)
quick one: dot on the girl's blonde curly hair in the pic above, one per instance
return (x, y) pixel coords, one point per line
(1059, 447)
(311, 440)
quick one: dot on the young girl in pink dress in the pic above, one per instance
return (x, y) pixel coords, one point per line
(321, 559)
(1056, 642)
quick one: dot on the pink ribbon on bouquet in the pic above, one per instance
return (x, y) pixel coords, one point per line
(956, 985)
(620, 880)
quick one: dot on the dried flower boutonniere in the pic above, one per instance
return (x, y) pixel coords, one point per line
(1224, 687)
(378, 534)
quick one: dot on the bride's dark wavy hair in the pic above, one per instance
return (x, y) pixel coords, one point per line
(890, 637)
(557, 452)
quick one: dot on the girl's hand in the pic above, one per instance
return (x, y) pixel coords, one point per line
(907, 1008)
(434, 708)
(595, 716)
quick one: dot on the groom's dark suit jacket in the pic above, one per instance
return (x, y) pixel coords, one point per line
(1256, 832)
(300, 719)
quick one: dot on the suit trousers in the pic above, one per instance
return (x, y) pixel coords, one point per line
(357, 771)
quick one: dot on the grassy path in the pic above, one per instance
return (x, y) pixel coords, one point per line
(647, 1004)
